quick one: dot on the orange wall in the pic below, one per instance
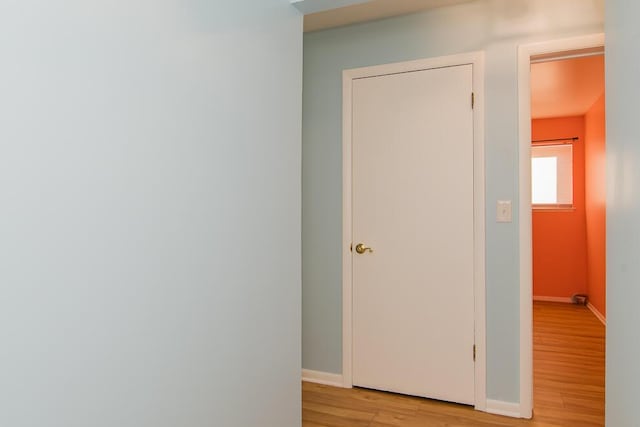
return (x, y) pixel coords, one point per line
(559, 237)
(595, 203)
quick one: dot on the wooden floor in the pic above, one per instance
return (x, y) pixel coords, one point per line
(569, 348)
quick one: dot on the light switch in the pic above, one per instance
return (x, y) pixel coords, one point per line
(504, 211)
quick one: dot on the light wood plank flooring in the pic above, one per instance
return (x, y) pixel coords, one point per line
(569, 348)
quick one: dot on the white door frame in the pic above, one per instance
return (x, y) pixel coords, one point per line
(554, 49)
(477, 60)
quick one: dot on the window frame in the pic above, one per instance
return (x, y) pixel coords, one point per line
(555, 207)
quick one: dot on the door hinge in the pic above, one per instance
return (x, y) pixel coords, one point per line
(474, 352)
(473, 100)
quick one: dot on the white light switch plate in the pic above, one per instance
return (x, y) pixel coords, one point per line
(504, 211)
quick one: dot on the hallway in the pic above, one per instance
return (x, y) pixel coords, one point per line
(569, 351)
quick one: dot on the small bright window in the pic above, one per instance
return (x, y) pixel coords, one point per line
(552, 175)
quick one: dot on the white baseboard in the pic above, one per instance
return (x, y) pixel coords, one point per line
(597, 313)
(325, 378)
(506, 409)
(567, 300)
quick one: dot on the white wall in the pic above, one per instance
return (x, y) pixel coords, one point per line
(497, 27)
(623, 213)
(150, 225)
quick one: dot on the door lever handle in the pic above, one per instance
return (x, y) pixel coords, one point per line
(361, 249)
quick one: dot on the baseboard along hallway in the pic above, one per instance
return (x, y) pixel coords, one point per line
(569, 355)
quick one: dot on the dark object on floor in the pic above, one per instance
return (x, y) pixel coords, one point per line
(580, 299)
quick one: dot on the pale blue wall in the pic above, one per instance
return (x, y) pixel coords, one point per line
(495, 26)
(150, 225)
(623, 213)
(314, 6)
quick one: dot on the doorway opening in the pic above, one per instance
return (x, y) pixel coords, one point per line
(563, 226)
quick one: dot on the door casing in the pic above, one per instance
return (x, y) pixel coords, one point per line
(553, 49)
(477, 60)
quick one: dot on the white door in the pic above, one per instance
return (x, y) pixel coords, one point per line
(413, 205)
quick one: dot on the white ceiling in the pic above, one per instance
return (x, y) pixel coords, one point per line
(566, 88)
(370, 11)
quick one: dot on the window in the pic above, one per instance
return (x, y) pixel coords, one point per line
(552, 175)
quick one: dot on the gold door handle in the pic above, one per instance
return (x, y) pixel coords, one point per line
(361, 249)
